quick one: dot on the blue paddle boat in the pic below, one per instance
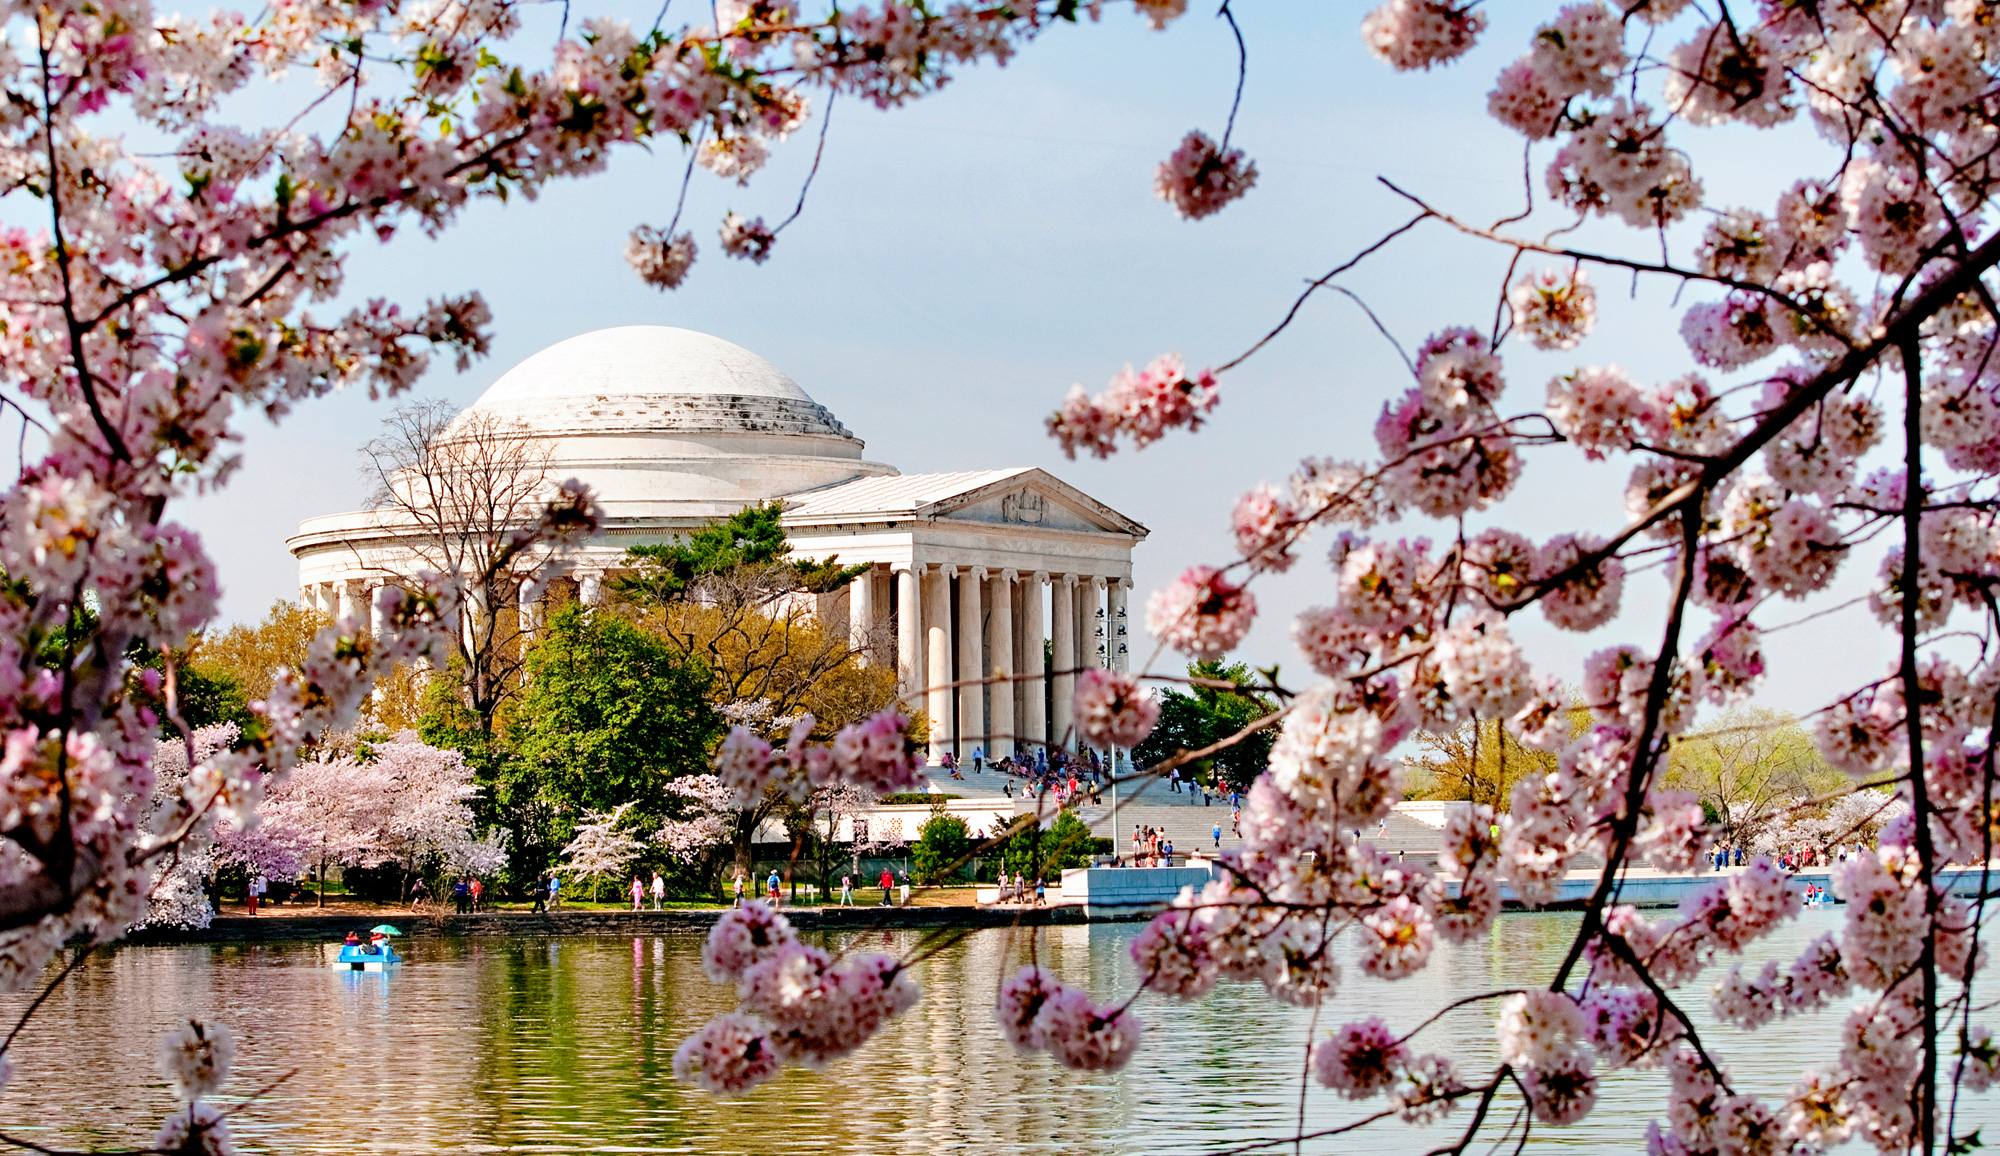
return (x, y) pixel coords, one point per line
(375, 955)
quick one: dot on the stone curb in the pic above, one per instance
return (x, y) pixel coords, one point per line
(292, 928)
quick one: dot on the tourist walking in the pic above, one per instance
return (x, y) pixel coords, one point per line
(458, 895)
(772, 885)
(1218, 836)
(541, 893)
(888, 883)
(847, 891)
(256, 892)
(659, 890)
(739, 886)
(978, 759)
(478, 890)
(638, 890)
(555, 891)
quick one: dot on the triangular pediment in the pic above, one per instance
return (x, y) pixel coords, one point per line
(1033, 498)
(1023, 497)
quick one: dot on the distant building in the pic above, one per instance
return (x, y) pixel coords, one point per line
(969, 573)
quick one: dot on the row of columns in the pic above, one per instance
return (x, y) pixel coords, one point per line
(947, 649)
(355, 598)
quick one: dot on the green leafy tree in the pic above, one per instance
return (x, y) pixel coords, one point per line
(609, 714)
(753, 537)
(1749, 767)
(1045, 854)
(941, 848)
(1202, 716)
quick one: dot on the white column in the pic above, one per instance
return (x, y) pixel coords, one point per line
(971, 662)
(1002, 724)
(530, 614)
(353, 601)
(861, 615)
(378, 616)
(1035, 721)
(1088, 619)
(909, 638)
(590, 587)
(937, 657)
(1118, 628)
(1062, 680)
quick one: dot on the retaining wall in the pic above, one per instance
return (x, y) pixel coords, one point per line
(274, 929)
(1129, 892)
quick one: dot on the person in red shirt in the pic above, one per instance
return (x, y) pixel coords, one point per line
(888, 882)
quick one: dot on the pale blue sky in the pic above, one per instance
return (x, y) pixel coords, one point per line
(964, 259)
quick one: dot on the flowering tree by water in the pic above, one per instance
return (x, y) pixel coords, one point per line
(1849, 328)
(601, 850)
(174, 272)
(399, 802)
(1847, 319)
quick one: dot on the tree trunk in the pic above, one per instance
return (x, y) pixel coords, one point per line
(746, 831)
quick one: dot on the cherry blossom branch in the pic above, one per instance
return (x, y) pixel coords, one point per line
(1924, 1096)
(1317, 284)
(1242, 74)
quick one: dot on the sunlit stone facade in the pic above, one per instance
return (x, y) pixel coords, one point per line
(969, 573)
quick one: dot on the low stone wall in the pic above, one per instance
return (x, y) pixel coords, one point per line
(293, 928)
(1654, 890)
(1129, 892)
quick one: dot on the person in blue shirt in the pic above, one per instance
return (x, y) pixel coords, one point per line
(555, 892)
(1218, 835)
(772, 883)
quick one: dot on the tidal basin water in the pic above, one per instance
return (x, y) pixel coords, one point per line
(538, 1045)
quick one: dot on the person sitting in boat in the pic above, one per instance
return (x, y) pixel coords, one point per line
(353, 940)
(376, 942)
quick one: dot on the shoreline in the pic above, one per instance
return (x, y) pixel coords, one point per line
(317, 928)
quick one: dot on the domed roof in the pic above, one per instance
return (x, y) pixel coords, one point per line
(654, 379)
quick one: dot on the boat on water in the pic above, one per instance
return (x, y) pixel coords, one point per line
(375, 955)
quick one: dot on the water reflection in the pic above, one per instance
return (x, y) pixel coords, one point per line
(566, 1045)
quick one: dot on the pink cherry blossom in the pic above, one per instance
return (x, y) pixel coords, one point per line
(1087, 1036)
(660, 261)
(1412, 34)
(1111, 711)
(1202, 613)
(1200, 178)
(743, 937)
(750, 240)
(1360, 1059)
(730, 1055)
(1553, 310)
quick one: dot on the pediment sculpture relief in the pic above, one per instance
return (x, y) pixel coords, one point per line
(1025, 506)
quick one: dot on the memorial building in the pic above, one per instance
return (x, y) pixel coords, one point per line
(968, 573)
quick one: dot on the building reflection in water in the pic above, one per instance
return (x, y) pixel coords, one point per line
(542, 1045)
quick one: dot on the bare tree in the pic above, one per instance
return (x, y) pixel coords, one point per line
(466, 483)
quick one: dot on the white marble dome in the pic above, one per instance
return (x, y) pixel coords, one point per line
(666, 422)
